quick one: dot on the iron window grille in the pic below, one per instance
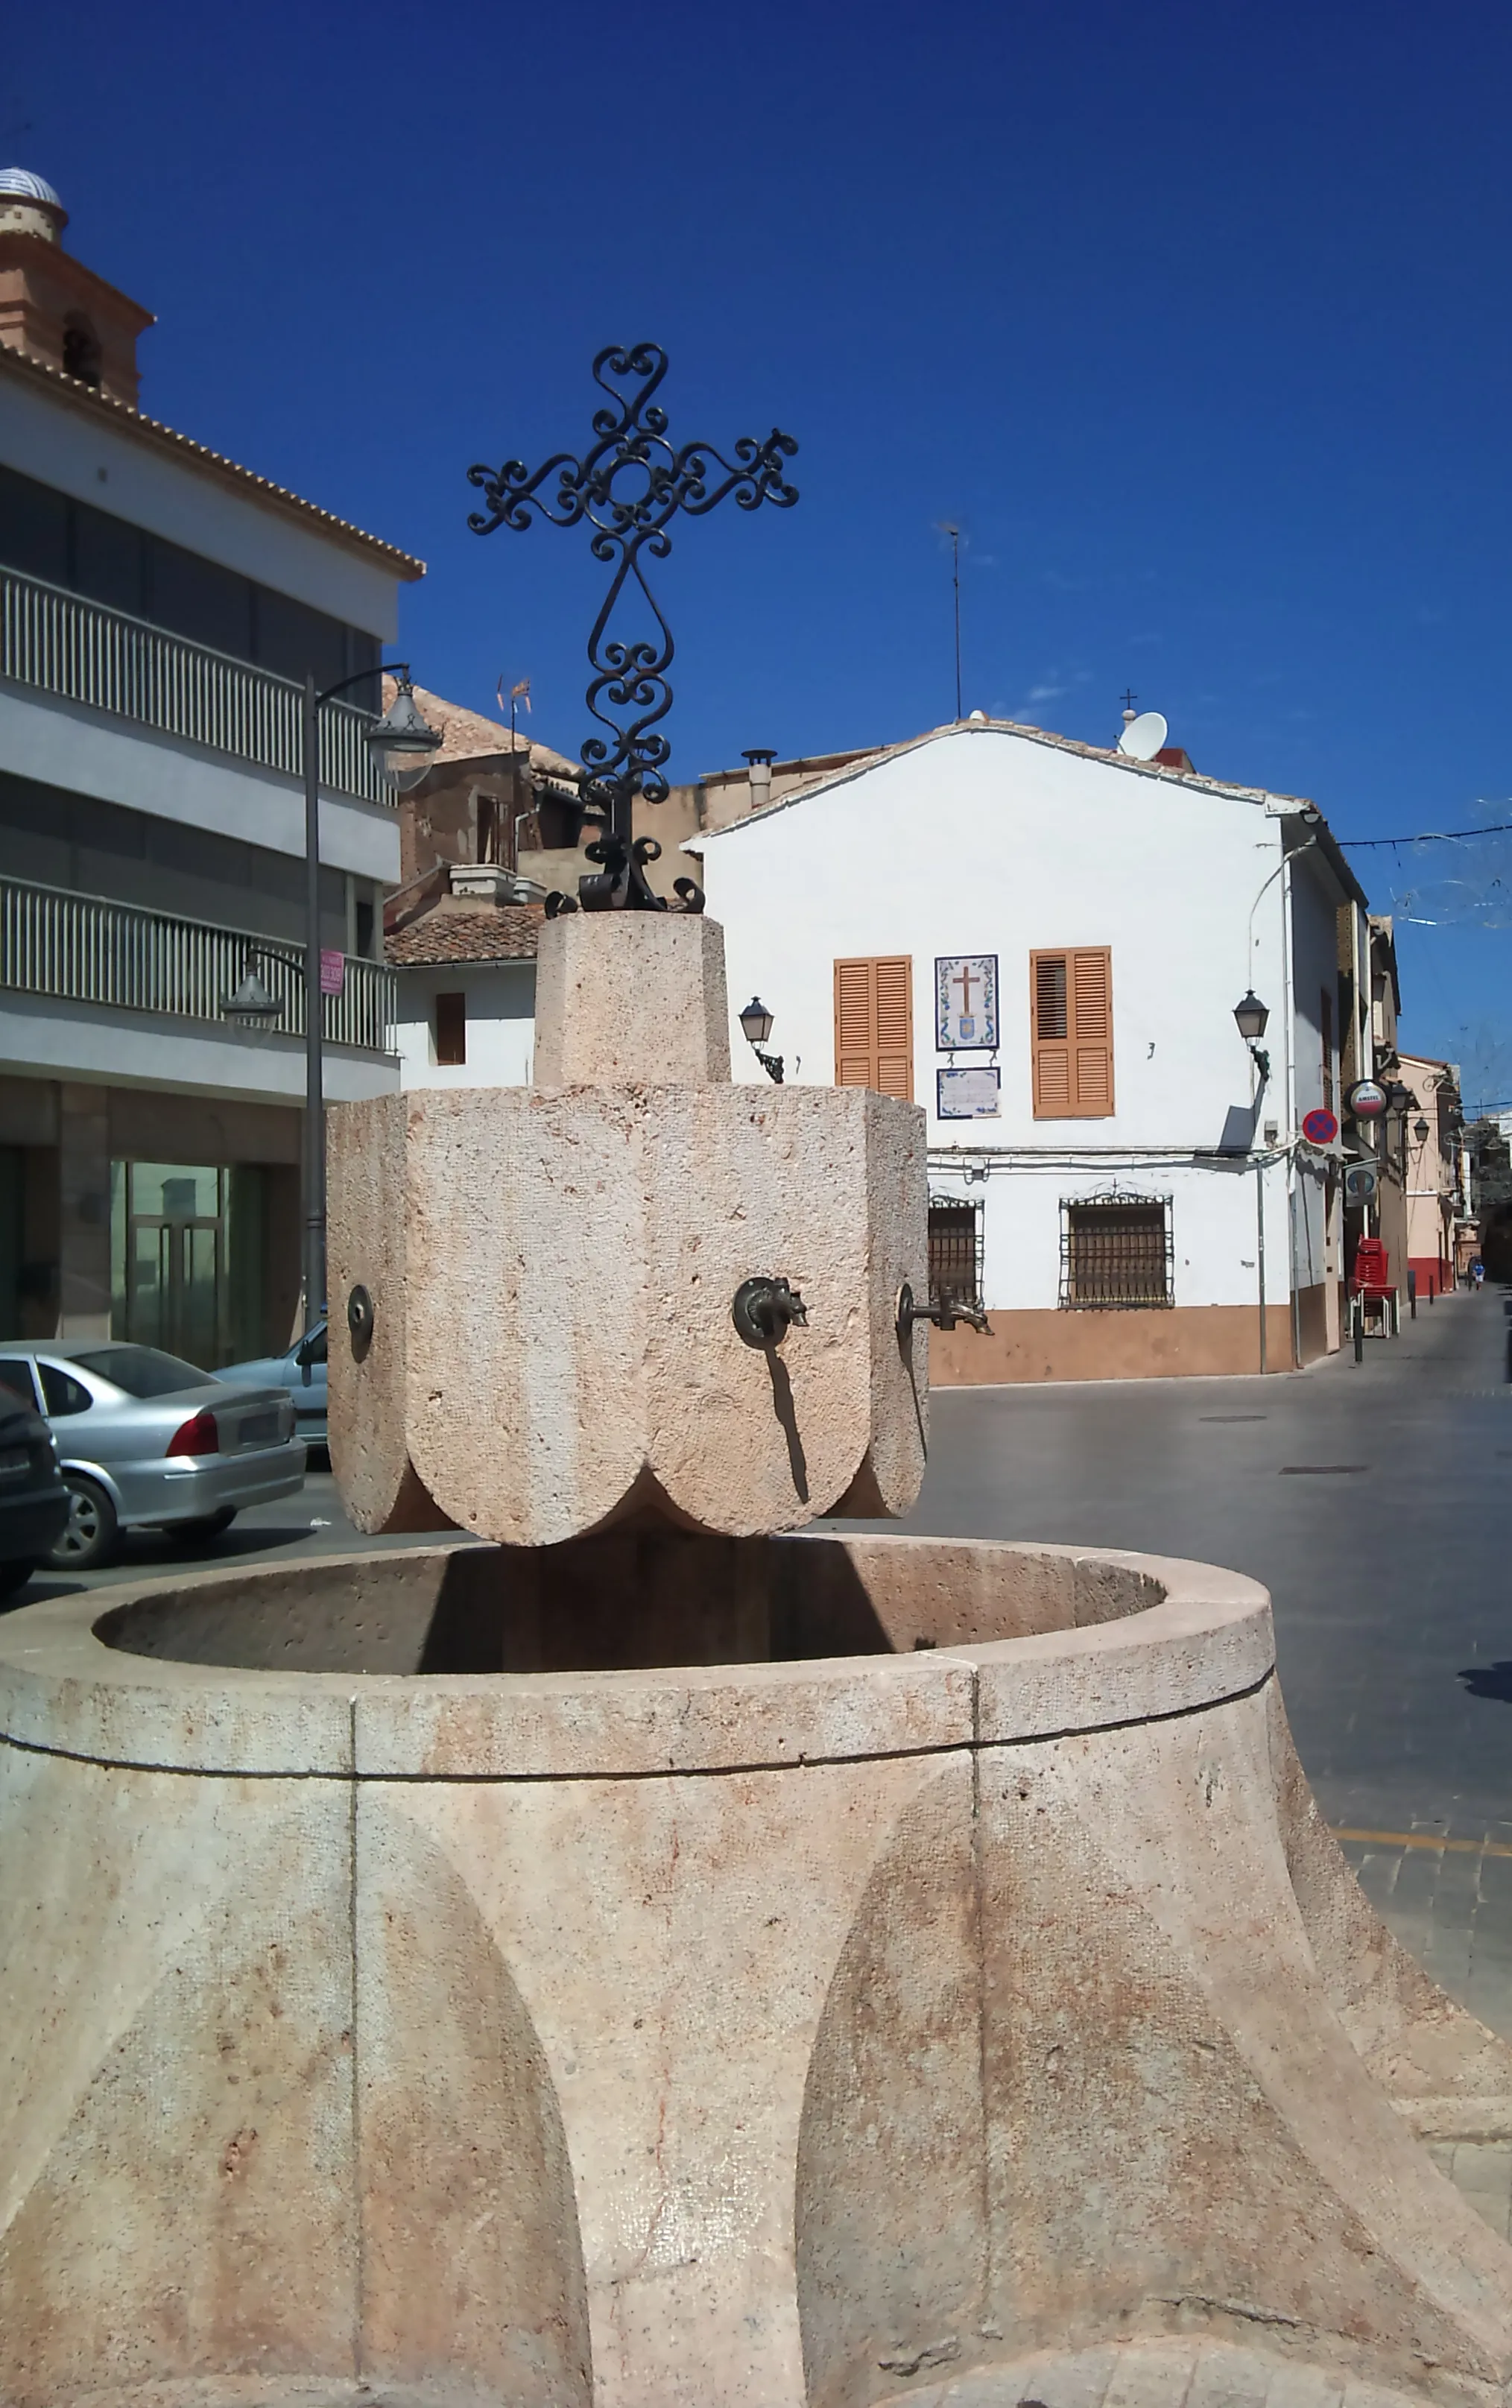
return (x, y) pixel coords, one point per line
(955, 1250)
(1117, 1253)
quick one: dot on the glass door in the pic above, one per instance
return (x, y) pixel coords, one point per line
(187, 1242)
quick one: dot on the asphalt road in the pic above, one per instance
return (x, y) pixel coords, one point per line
(1372, 1501)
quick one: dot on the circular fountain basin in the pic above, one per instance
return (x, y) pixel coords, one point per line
(668, 1969)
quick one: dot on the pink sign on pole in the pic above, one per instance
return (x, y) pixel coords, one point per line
(333, 972)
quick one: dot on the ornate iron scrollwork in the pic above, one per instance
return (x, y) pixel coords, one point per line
(628, 488)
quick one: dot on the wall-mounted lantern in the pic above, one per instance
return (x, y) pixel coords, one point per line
(756, 1024)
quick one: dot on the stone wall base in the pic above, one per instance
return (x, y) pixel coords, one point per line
(1189, 1341)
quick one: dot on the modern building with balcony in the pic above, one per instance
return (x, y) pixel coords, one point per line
(160, 607)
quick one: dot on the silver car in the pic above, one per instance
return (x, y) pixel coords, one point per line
(146, 1440)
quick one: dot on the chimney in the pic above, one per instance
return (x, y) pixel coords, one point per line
(761, 761)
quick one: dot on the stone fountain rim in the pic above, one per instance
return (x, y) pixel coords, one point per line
(63, 1692)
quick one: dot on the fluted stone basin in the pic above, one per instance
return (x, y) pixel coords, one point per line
(420, 1979)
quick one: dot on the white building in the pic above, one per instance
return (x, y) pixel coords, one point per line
(1044, 944)
(161, 608)
(464, 977)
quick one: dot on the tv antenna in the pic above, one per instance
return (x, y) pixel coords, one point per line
(948, 526)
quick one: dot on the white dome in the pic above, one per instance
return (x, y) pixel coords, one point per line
(23, 185)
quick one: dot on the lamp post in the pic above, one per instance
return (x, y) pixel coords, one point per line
(1251, 1017)
(404, 746)
(756, 1024)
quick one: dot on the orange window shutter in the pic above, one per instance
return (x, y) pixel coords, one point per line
(874, 1024)
(855, 1025)
(1091, 1004)
(1049, 1028)
(895, 1028)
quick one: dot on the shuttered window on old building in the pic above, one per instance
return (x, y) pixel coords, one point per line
(955, 1250)
(1071, 1019)
(874, 1024)
(1116, 1253)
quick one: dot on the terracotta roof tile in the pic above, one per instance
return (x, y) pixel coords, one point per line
(509, 932)
(472, 736)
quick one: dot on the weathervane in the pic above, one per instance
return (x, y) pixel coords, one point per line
(630, 678)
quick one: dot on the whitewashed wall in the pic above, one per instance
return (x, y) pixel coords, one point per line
(986, 841)
(501, 1024)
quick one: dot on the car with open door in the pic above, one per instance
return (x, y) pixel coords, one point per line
(300, 1369)
(146, 1440)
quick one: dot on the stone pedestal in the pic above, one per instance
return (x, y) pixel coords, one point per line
(552, 1271)
(967, 1979)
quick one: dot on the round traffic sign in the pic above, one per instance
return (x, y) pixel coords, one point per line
(1320, 1127)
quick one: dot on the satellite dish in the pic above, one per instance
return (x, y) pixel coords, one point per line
(1144, 737)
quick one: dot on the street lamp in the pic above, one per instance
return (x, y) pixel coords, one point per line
(756, 1024)
(1250, 1017)
(1421, 1131)
(253, 1004)
(403, 746)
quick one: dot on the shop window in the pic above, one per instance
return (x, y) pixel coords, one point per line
(189, 1259)
(1116, 1253)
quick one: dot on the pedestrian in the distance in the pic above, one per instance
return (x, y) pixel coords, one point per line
(1477, 1274)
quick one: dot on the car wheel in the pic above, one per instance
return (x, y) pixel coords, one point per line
(15, 1576)
(204, 1525)
(88, 1539)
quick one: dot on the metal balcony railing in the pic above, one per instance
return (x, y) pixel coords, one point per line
(127, 959)
(53, 640)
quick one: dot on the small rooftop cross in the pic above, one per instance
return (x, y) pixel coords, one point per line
(628, 488)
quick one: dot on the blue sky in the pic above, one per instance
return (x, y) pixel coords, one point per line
(1195, 317)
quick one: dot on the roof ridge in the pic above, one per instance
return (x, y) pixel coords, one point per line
(1073, 744)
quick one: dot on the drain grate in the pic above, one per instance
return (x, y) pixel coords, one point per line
(1321, 1470)
(1234, 1417)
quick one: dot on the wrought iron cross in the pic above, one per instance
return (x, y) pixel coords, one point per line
(629, 487)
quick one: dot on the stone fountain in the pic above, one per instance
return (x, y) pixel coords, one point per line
(656, 1959)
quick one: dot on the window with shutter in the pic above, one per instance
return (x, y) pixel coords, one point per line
(1071, 1021)
(874, 1024)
